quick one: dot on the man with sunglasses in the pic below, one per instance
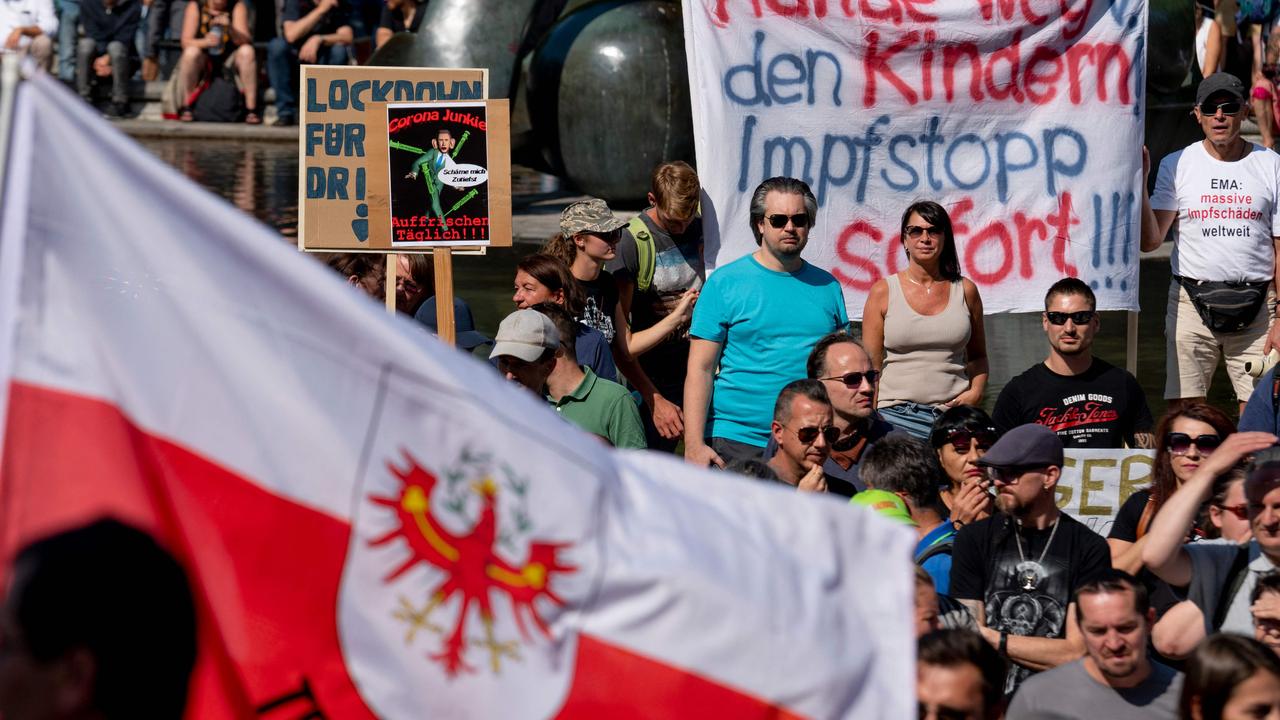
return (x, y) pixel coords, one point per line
(803, 431)
(1225, 194)
(1088, 401)
(845, 371)
(1016, 570)
(755, 322)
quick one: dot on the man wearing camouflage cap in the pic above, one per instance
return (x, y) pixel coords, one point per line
(589, 235)
(756, 320)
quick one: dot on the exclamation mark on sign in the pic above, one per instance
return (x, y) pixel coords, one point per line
(1113, 237)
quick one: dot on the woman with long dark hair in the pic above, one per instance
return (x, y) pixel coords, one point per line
(1184, 437)
(1231, 677)
(923, 327)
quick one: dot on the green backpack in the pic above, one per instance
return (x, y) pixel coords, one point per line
(644, 253)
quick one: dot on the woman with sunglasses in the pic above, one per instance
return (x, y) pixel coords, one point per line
(961, 436)
(588, 238)
(1185, 436)
(1231, 677)
(923, 327)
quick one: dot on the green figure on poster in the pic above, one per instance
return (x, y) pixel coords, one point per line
(443, 149)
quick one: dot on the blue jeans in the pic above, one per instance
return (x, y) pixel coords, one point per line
(912, 418)
(282, 70)
(68, 31)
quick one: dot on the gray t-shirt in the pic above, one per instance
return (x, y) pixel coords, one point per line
(1210, 565)
(1068, 691)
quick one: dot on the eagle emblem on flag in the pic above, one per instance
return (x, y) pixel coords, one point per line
(469, 563)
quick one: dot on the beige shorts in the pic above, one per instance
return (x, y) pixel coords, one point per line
(1192, 350)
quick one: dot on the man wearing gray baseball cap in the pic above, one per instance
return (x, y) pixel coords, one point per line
(525, 348)
(1016, 570)
(1224, 191)
(1220, 577)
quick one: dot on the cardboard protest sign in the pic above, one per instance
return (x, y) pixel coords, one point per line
(1023, 119)
(343, 183)
(1095, 483)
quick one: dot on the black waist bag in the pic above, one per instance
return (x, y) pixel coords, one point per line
(1226, 306)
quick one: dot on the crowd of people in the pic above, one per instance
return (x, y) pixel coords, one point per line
(1022, 611)
(213, 53)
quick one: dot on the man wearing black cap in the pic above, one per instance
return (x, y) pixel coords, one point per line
(1220, 577)
(1016, 570)
(1225, 193)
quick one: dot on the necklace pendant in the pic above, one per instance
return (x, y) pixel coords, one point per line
(1029, 582)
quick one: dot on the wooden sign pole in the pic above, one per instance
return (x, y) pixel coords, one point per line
(389, 284)
(443, 258)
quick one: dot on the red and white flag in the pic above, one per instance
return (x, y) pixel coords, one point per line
(375, 524)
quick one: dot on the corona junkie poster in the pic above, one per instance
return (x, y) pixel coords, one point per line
(438, 174)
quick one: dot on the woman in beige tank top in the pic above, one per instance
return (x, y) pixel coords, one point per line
(923, 327)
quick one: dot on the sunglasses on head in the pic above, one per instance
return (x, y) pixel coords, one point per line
(1079, 317)
(962, 438)
(1230, 107)
(854, 379)
(810, 433)
(780, 221)
(1180, 443)
(916, 231)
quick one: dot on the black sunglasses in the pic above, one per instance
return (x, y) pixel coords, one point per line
(780, 221)
(854, 379)
(1179, 443)
(1231, 107)
(915, 231)
(961, 439)
(809, 433)
(1009, 475)
(1079, 317)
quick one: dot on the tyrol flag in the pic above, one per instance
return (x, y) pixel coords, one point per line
(377, 525)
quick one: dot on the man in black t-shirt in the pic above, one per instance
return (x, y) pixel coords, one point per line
(1016, 570)
(315, 32)
(1089, 402)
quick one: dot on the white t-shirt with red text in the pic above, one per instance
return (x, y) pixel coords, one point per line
(1228, 213)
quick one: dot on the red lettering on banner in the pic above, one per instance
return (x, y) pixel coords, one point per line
(1031, 76)
(958, 212)
(1062, 222)
(894, 12)
(1026, 228)
(952, 54)
(1009, 10)
(1011, 54)
(1074, 22)
(876, 62)
(997, 232)
(855, 261)
(897, 11)
(798, 8)
(1006, 244)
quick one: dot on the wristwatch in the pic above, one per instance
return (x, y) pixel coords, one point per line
(1004, 644)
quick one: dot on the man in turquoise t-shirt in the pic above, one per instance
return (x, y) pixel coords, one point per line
(757, 319)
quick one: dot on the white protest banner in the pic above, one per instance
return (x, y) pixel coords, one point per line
(1095, 483)
(1024, 119)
